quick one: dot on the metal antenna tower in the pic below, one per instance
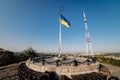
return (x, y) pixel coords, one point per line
(89, 50)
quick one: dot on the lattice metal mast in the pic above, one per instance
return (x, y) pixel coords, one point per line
(89, 50)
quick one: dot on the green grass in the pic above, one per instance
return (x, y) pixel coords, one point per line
(111, 61)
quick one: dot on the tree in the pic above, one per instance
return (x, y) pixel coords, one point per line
(6, 57)
(22, 57)
(30, 52)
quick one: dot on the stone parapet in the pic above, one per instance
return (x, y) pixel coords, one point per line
(67, 70)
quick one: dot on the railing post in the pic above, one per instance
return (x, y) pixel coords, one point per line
(57, 63)
(43, 60)
(75, 63)
(88, 62)
(30, 58)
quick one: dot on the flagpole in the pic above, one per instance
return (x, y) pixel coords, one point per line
(60, 44)
(60, 34)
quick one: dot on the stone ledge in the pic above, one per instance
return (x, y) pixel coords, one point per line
(26, 73)
(67, 70)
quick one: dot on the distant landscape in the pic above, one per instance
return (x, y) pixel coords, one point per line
(112, 54)
(8, 57)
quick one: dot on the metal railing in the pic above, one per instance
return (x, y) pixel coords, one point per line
(61, 62)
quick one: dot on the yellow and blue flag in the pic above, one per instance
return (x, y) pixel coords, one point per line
(64, 21)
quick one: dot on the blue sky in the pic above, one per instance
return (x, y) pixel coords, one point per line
(35, 23)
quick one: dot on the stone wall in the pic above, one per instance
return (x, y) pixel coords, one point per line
(67, 70)
(26, 73)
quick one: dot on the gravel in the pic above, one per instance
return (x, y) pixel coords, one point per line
(114, 70)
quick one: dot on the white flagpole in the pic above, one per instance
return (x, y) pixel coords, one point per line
(60, 34)
(60, 44)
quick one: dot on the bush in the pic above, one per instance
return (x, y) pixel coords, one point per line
(111, 61)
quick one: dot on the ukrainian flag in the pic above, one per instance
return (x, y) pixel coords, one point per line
(64, 21)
